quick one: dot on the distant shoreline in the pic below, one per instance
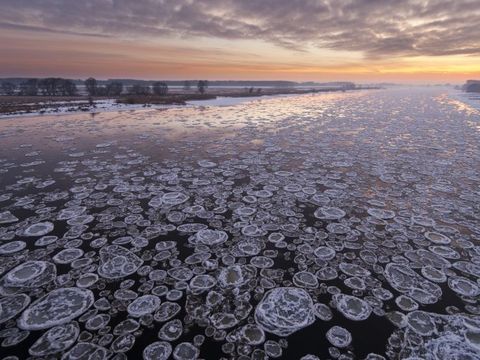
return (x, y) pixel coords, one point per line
(30, 105)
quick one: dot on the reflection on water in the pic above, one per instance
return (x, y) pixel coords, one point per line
(321, 225)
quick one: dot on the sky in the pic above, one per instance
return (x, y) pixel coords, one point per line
(300, 40)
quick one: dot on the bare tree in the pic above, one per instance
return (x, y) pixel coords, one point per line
(91, 86)
(138, 89)
(47, 86)
(114, 88)
(202, 86)
(29, 87)
(70, 88)
(160, 88)
(57, 87)
(8, 88)
(101, 91)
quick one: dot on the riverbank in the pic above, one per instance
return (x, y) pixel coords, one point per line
(23, 105)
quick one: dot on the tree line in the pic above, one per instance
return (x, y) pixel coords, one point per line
(48, 87)
(66, 87)
(158, 88)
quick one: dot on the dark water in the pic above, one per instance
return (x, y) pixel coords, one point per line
(381, 177)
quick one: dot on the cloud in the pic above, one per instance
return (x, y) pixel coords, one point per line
(374, 28)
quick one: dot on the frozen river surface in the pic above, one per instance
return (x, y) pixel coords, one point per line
(341, 226)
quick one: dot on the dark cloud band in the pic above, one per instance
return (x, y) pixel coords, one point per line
(376, 28)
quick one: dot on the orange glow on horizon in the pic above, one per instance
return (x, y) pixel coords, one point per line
(26, 53)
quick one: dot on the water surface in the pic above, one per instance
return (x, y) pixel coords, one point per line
(358, 210)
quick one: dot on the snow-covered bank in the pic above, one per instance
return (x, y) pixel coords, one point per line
(108, 105)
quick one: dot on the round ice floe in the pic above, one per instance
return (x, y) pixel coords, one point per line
(324, 253)
(433, 274)
(248, 248)
(381, 213)
(125, 294)
(7, 217)
(206, 163)
(353, 269)
(444, 251)
(437, 238)
(197, 258)
(323, 312)
(87, 351)
(166, 311)
(211, 237)
(421, 322)
(284, 311)
(202, 283)
(463, 286)
(252, 334)
(252, 230)
(406, 303)
(305, 279)
(175, 216)
(86, 280)
(329, 213)
(156, 201)
(223, 320)
(327, 273)
(143, 305)
(263, 193)
(159, 350)
(46, 240)
(30, 274)
(174, 198)
(423, 220)
(181, 273)
(191, 227)
(232, 276)
(245, 211)
(71, 212)
(185, 351)
(10, 306)
(473, 339)
(123, 343)
(337, 228)
(171, 330)
(261, 262)
(293, 188)
(174, 295)
(272, 349)
(81, 220)
(165, 245)
(276, 237)
(67, 255)
(450, 346)
(339, 336)
(402, 278)
(355, 282)
(397, 318)
(12, 247)
(382, 294)
(117, 262)
(39, 229)
(97, 322)
(55, 340)
(126, 326)
(352, 307)
(57, 307)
